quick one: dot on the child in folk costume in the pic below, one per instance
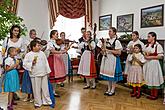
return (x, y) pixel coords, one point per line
(110, 66)
(87, 66)
(36, 63)
(11, 81)
(56, 63)
(26, 81)
(135, 73)
(153, 75)
(130, 48)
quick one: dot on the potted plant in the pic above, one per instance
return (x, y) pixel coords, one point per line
(8, 18)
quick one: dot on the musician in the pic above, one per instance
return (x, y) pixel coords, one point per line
(65, 45)
(87, 66)
(56, 63)
(110, 66)
(32, 36)
(81, 41)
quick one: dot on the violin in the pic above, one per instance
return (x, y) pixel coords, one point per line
(66, 41)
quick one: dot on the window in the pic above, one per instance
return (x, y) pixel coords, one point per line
(72, 29)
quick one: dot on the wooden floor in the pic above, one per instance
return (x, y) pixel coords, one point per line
(73, 97)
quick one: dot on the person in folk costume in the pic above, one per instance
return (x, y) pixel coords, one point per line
(11, 81)
(110, 69)
(153, 75)
(36, 63)
(130, 47)
(87, 66)
(26, 81)
(65, 46)
(81, 40)
(56, 63)
(135, 73)
(14, 40)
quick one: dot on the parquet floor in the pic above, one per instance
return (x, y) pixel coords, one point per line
(73, 97)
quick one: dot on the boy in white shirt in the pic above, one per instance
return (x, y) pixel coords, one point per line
(36, 63)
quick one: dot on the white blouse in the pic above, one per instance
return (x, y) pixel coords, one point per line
(149, 49)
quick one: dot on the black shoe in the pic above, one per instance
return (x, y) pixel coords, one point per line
(56, 95)
(62, 85)
(36, 107)
(86, 87)
(106, 93)
(93, 87)
(15, 97)
(111, 94)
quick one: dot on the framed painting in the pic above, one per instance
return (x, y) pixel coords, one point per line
(125, 23)
(105, 22)
(152, 16)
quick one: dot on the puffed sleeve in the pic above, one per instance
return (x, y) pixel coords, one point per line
(49, 46)
(160, 50)
(141, 58)
(27, 62)
(118, 45)
(8, 62)
(99, 44)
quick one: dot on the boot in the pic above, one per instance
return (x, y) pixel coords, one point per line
(134, 92)
(139, 93)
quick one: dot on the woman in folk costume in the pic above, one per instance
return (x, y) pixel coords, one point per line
(65, 46)
(130, 48)
(110, 66)
(153, 75)
(87, 66)
(135, 73)
(26, 81)
(56, 63)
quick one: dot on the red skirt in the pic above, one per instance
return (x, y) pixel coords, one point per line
(57, 66)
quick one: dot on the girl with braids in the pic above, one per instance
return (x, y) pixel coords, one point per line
(11, 81)
(153, 75)
(135, 74)
(110, 66)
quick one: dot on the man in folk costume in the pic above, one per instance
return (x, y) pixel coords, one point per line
(110, 66)
(87, 66)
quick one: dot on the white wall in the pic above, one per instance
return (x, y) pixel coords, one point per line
(35, 15)
(122, 7)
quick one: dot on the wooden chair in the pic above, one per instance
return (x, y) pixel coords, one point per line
(75, 64)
